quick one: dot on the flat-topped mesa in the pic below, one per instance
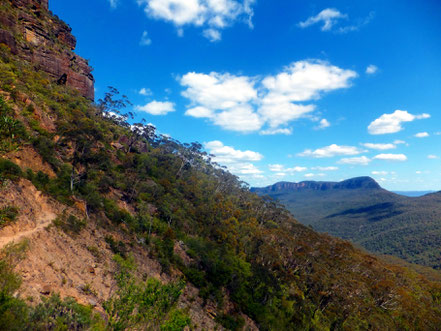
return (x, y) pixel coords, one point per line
(33, 33)
(349, 184)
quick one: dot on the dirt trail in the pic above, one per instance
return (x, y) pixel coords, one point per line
(40, 224)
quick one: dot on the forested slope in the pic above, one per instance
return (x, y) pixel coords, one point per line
(360, 210)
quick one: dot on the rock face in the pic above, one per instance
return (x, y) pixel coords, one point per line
(33, 33)
(349, 184)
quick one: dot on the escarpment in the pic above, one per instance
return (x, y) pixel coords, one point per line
(34, 34)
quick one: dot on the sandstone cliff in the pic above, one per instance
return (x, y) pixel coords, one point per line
(33, 33)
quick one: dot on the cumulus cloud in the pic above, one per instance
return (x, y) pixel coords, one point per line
(157, 107)
(391, 157)
(328, 17)
(246, 104)
(392, 123)
(212, 15)
(371, 69)
(331, 151)
(421, 135)
(433, 157)
(379, 146)
(227, 154)
(145, 39)
(145, 92)
(238, 162)
(323, 124)
(360, 160)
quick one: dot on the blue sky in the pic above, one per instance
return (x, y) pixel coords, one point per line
(279, 90)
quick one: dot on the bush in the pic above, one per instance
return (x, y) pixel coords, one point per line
(8, 215)
(9, 170)
(70, 224)
(56, 314)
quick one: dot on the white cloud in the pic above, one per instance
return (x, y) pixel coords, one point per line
(145, 39)
(227, 154)
(241, 118)
(391, 123)
(323, 124)
(213, 15)
(281, 169)
(157, 107)
(310, 175)
(360, 160)
(391, 157)
(371, 69)
(237, 161)
(398, 142)
(329, 17)
(325, 168)
(145, 92)
(113, 3)
(285, 131)
(305, 80)
(433, 157)
(380, 173)
(212, 35)
(246, 104)
(330, 151)
(244, 169)
(421, 135)
(379, 146)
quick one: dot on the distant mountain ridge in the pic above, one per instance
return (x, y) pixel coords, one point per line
(353, 183)
(360, 210)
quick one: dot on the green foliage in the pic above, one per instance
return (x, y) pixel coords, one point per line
(143, 304)
(13, 311)
(176, 321)
(239, 246)
(117, 247)
(406, 227)
(9, 171)
(8, 215)
(230, 322)
(12, 131)
(57, 187)
(56, 314)
(70, 223)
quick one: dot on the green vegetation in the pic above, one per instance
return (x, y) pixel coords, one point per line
(8, 215)
(143, 305)
(380, 221)
(70, 223)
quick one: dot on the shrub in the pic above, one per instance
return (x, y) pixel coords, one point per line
(9, 170)
(8, 215)
(70, 224)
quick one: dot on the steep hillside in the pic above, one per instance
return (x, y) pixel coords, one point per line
(144, 232)
(360, 210)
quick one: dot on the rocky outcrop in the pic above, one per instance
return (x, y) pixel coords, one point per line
(36, 35)
(349, 184)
